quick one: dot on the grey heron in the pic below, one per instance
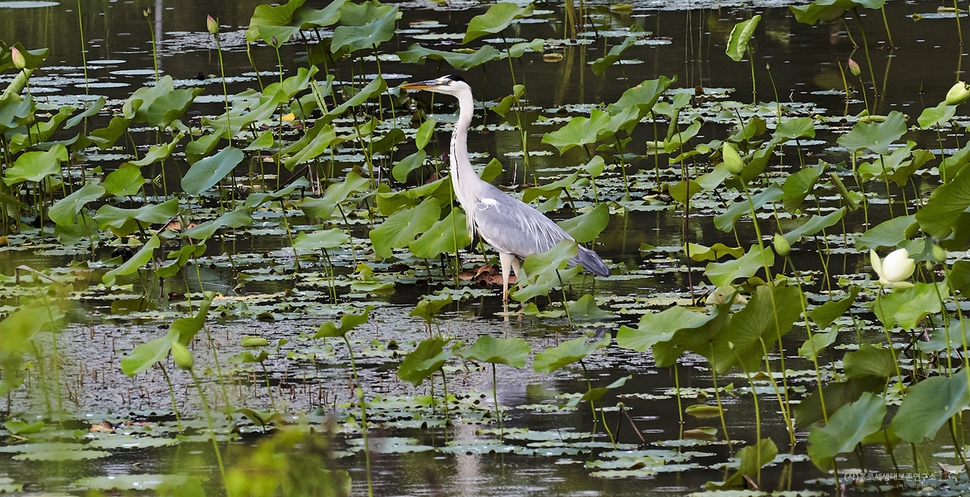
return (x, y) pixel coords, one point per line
(514, 228)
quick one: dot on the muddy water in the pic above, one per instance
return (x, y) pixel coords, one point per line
(800, 63)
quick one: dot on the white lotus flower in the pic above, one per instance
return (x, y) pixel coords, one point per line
(895, 269)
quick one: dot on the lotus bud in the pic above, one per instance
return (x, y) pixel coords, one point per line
(181, 356)
(854, 68)
(939, 253)
(276, 43)
(895, 269)
(958, 94)
(733, 161)
(211, 25)
(18, 58)
(782, 247)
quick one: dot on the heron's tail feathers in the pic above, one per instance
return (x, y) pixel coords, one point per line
(590, 261)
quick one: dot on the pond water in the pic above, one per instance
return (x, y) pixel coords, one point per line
(149, 431)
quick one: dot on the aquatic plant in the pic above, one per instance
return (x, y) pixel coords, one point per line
(321, 163)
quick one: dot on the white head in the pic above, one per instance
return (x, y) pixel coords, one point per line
(449, 85)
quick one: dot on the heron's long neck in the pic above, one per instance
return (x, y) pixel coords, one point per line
(465, 181)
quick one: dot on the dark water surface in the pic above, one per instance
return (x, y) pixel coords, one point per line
(682, 39)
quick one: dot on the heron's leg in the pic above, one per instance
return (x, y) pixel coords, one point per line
(508, 262)
(517, 269)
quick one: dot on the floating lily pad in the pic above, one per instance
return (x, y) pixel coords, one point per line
(130, 482)
(110, 442)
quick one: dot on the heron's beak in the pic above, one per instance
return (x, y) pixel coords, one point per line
(421, 85)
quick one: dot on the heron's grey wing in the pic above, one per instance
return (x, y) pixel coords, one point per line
(512, 226)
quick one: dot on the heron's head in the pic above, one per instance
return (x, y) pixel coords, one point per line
(451, 85)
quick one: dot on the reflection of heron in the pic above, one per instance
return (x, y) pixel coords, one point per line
(513, 227)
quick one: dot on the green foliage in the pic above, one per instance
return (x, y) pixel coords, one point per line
(946, 205)
(160, 104)
(907, 308)
(498, 17)
(401, 228)
(586, 308)
(875, 136)
(294, 461)
(544, 270)
(587, 226)
(740, 37)
(869, 362)
(124, 222)
(445, 236)
(363, 25)
(600, 65)
(320, 240)
(65, 211)
(416, 54)
(132, 265)
(929, 404)
(17, 332)
(425, 360)
(659, 327)
(181, 331)
(727, 219)
(889, 233)
(724, 273)
(236, 218)
(752, 458)
(566, 353)
(348, 322)
(846, 429)
(205, 173)
(429, 307)
(830, 10)
(508, 351)
(828, 312)
(35, 166)
(815, 224)
(337, 193)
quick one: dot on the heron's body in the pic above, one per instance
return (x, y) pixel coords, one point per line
(514, 228)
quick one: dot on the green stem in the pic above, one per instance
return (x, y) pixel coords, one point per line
(212, 431)
(84, 53)
(225, 90)
(498, 413)
(720, 406)
(359, 392)
(171, 393)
